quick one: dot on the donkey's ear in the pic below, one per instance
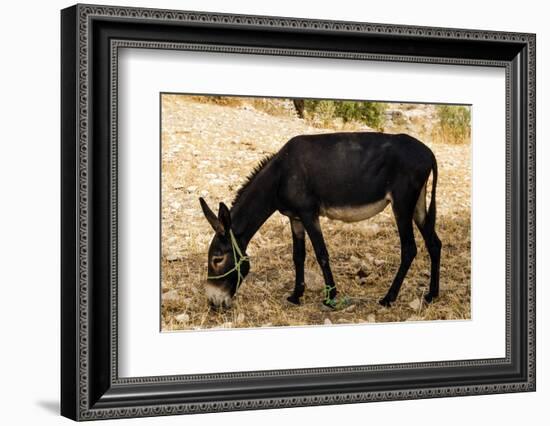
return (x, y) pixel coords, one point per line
(224, 217)
(211, 217)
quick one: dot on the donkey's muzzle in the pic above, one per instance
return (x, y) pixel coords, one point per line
(218, 295)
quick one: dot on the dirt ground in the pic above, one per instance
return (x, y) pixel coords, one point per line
(208, 150)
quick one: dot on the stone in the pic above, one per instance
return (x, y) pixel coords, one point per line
(313, 280)
(415, 304)
(170, 296)
(350, 308)
(182, 318)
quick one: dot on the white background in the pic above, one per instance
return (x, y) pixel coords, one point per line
(140, 343)
(29, 225)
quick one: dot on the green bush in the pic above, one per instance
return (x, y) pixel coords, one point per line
(325, 112)
(454, 123)
(369, 113)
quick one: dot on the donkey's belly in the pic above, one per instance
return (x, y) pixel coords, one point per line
(355, 213)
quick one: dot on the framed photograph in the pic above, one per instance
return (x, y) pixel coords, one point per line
(263, 212)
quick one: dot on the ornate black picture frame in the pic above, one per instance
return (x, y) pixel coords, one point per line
(91, 36)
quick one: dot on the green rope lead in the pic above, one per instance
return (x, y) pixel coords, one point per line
(238, 263)
(333, 303)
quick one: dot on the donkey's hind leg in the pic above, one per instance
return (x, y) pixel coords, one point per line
(403, 212)
(299, 256)
(426, 225)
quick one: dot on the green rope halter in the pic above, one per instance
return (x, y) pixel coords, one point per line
(238, 263)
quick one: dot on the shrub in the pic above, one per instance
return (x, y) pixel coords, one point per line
(369, 113)
(454, 124)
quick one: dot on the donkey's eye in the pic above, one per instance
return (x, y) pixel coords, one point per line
(216, 260)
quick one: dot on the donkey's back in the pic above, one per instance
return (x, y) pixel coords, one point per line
(343, 174)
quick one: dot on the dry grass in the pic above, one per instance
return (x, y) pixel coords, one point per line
(208, 148)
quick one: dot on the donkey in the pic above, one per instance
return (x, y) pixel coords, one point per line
(344, 176)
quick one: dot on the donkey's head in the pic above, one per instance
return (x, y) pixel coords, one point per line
(227, 263)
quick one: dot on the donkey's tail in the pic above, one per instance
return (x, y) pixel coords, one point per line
(430, 218)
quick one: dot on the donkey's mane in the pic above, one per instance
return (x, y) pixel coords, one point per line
(250, 178)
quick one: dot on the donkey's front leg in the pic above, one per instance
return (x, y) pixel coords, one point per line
(313, 229)
(299, 257)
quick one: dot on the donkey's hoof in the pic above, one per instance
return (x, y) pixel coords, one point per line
(385, 302)
(295, 300)
(429, 297)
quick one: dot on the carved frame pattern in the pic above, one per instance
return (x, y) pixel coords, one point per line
(85, 408)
